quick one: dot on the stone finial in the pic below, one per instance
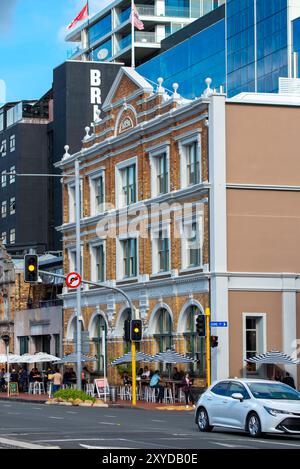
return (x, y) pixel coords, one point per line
(208, 91)
(67, 154)
(93, 127)
(98, 119)
(87, 133)
(160, 89)
(175, 87)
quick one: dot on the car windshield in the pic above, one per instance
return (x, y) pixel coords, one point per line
(273, 391)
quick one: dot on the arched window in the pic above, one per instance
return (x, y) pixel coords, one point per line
(72, 334)
(99, 325)
(193, 344)
(163, 330)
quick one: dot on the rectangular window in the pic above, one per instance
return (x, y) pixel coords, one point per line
(252, 340)
(3, 179)
(12, 177)
(12, 143)
(4, 237)
(99, 193)
(194, 249)
(4, 209)
(3, 148)
(100, 263)
(129, 247)
(193, 163)
(12, 236)
(12, 205)
(162, 174)
(23, 342)
(129, 184)
(163, 252)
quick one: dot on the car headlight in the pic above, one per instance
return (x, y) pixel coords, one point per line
(275, 412)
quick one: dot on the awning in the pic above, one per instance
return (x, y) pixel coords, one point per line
(274, 357)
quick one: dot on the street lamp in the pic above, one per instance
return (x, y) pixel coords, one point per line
(5, 339)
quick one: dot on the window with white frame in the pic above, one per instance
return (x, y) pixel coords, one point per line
(3, 148)
(72, 202)
(192, 243)
(72, 260)
(128, 248)
(12, 143)
(254, 339)
(126, 184)
(97, 185)
(159, 172)
(3, 179)
(12, 177)
(4, 237)
(190, 161)
(12, 236)
(4, 209)
(12, 205)
(160, 250)
(98, 263)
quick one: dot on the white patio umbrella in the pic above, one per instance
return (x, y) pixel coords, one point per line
(72, 358)
(12, 358)
(39, 357)
(127, 358)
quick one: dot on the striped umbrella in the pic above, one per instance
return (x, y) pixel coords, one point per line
(72, 358)
(170, 356)
(127, 358)
(274, 357)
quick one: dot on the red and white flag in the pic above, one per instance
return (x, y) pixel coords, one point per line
(81, 16)
(138, 24)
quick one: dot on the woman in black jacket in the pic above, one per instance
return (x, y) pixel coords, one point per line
(186, 386)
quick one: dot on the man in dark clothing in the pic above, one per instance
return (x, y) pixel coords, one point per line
(289, 380)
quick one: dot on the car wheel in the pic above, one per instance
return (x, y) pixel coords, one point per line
(253, 425)
(203, 421)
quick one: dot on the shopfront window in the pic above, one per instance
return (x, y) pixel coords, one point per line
(99, 327)
(193, 344)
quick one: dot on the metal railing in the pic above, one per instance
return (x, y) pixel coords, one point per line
(145, 36)
(146, 10)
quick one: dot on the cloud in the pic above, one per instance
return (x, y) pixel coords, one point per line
(7, 7)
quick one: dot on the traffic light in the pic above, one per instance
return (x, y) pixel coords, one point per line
(200, 325)
(136, 330)
(31, 268)
(127, 330)
(214, 341)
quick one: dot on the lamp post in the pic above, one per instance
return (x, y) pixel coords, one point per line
(5, 339)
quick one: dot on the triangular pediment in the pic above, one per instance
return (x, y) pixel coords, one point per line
(128, 82)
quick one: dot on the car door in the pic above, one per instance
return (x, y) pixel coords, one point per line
(218, 403)
(236, 410)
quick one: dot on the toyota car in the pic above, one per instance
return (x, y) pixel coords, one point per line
(255, 406)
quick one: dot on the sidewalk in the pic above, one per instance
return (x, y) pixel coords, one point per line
(42, 398)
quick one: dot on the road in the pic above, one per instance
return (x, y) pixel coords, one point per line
(25, 425)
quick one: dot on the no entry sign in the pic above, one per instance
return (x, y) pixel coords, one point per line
(73, 280)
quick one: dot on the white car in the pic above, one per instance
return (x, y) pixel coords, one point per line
(253, 405)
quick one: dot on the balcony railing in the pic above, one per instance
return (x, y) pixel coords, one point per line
(146, 10)
(145, 36)
(179, 12)
(76, 50)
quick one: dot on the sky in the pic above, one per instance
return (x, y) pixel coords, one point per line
(32, 43)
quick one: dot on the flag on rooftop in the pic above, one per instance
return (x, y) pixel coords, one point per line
(138, 24)
(84, 13)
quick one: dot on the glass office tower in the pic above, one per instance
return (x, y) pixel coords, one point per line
(259, 43)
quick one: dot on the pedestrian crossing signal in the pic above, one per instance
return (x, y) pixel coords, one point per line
(31, 268)
(214, 341)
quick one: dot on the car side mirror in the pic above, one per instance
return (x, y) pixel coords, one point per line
(238, 396)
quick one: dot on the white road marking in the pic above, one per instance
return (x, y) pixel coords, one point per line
(109, 423)
(57, 418)
(153, 420)
(78, 439)
(22, 444)
(103, 447)
(227, 445)
(70, 412)
(111, 416)
(274, 442)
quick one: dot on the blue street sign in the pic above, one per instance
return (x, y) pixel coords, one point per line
(219, 324)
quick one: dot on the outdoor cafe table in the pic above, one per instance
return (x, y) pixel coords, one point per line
(164, 381)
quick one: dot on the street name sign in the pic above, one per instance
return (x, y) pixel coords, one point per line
(219, 324)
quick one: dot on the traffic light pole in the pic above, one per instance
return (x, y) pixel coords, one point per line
(78, 268)
(207, 337)
(133, 373)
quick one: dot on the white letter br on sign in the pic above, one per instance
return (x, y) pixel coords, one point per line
(95, 82)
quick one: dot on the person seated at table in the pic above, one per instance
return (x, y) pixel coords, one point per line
(146, 373)
(154, 384)
(176, 375)
(35, 375)
(23, 379)
(14, 376)
(141, 372)
(126, 379)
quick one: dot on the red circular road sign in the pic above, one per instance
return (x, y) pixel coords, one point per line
(73, 280)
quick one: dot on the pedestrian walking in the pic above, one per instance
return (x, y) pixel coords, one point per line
(187, 389)
(57, 381)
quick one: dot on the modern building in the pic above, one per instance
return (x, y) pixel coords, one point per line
(243, 46)
(188, 204)
(107, 35)
(26, 209)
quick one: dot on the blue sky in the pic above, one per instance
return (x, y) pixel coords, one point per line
(32, 42)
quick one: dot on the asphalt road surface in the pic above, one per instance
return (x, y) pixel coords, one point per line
(25, 425)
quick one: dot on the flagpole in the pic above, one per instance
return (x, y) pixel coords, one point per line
(87, 31)
(132, 36)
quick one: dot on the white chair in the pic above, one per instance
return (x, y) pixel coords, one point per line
(31, 388)
(125, 393)
(181, 396)
(168, 395)
(90, 389)
(38, 388)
